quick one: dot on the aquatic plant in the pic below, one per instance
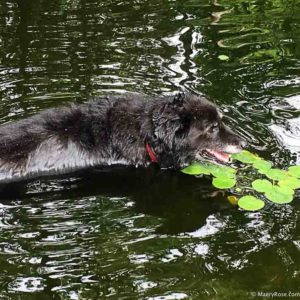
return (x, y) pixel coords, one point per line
(272, 184)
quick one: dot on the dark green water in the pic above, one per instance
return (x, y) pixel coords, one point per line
(148, 234)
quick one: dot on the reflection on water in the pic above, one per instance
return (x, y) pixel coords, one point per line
(287, 132)
(289, 137)
(150, 234)
(134, 232)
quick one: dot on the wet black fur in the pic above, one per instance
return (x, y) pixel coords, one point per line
(119, 127)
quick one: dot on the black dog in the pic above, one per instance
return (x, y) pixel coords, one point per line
(131, 130)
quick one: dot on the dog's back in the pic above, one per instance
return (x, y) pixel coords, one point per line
(58, 140)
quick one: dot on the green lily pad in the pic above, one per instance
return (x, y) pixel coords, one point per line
(223, 57)
(262, 165)
(280, 195)
(196, 169)
(294, 171)
(222, 171)
(225, 177)
(284, 189)
(277, 174)
(223, 182)
(262, 185)
(245, 157)
(250, 203)
(291, 182)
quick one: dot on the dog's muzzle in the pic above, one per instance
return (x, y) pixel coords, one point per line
(221, 156)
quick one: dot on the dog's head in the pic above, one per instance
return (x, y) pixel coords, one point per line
(190, 127)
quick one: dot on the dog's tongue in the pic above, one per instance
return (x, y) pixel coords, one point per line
(221, 156)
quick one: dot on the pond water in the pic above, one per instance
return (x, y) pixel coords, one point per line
(150, 234)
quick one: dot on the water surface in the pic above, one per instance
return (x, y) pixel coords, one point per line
(149, 234)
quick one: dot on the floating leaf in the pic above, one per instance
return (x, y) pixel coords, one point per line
(280, 195)
(277, 174)
(196, 169)
(291, 182)
(245, 157)
(225, 178)
(295, 171)
(279, 198)
(223, 57)
(233, 200)
(284, 190)
(222, 171)
(250, 203)
(223, 182)
(262, 165)
(262, 185)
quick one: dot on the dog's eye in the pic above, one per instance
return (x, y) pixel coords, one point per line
(215, 126)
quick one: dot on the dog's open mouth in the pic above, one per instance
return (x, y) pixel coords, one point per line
(218, 155)
(221, 156)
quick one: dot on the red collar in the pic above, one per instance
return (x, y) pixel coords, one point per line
(151, 153)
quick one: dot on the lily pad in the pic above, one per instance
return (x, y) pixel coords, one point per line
(294, 171)
(223, 57)
(280, 191)
(223, 182)
(291, 182)
(262, 165)
(277, 174)
(245, 157)
(262, 185)
(250, 203)
(284, 189)
(280, 195)
(196, 169)
(222, 171)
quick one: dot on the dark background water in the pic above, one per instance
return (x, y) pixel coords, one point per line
(149, 234)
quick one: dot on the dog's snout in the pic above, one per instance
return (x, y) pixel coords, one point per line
(239, 141)
(243, 143)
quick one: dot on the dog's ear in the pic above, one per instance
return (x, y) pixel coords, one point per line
(185, 122)
(178, 100)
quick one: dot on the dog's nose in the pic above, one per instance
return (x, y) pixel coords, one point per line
(243, 143)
